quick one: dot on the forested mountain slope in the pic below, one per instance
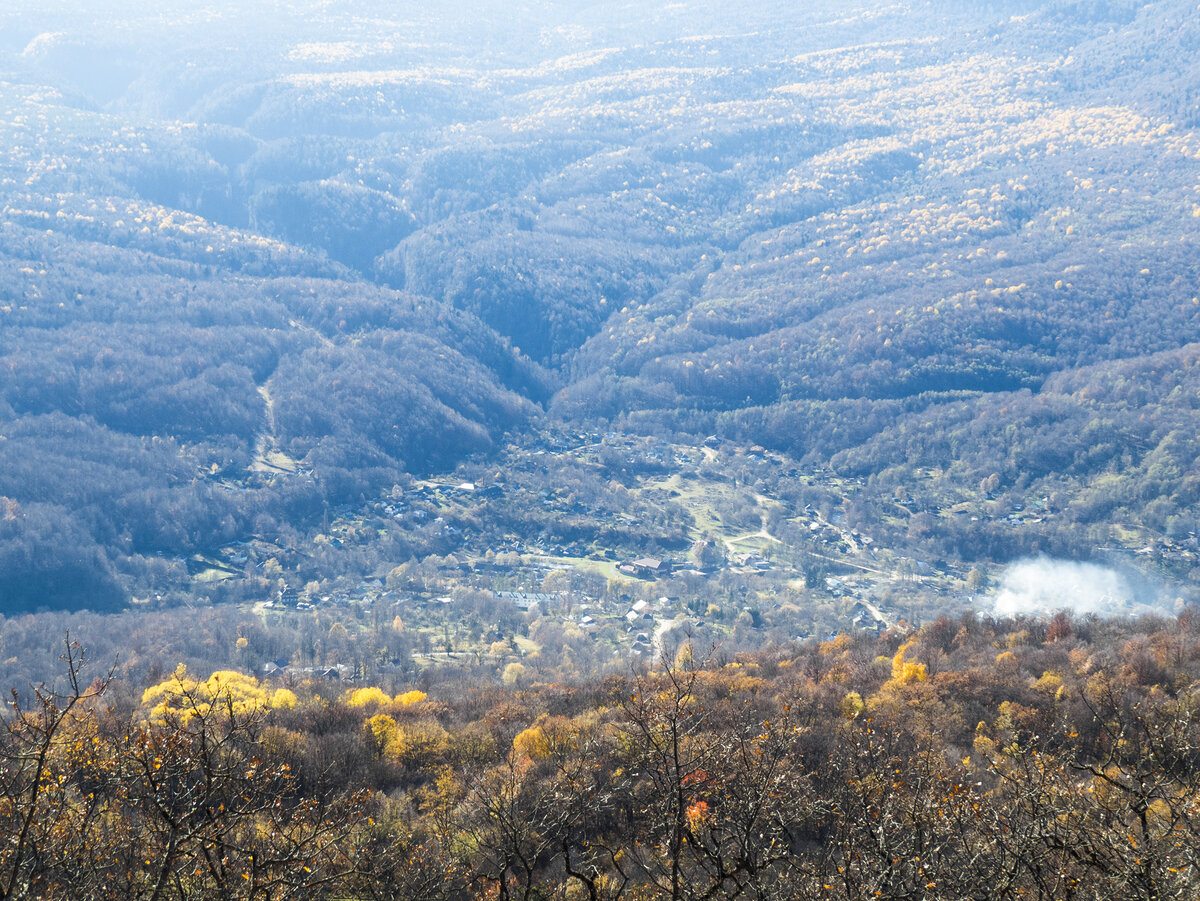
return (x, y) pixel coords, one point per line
(259, 260)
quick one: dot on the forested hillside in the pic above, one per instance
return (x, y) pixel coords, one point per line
(580, 450)
(259, 264)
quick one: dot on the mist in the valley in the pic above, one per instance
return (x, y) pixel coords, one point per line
(1043, 585)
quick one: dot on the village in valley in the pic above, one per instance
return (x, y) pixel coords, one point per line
(582, 550)
(576, 550)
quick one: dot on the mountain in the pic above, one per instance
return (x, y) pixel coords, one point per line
(258, 261)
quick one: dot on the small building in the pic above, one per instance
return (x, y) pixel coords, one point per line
(523, 600)
(649, 567)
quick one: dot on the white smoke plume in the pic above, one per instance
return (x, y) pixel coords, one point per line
(1043, 585)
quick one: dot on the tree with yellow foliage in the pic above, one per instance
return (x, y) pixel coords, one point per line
(181, 698)
(45, 823)
(905, 671)
(409, 698)
(385, 735)
(514, 674)
(369, 696)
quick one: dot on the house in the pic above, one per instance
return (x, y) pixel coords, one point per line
(523, 600)
(648, 567)
(866, 619)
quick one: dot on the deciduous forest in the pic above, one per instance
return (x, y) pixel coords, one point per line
(971, 758)
(558, 449)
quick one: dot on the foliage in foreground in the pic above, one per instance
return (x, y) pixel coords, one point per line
(971, 759)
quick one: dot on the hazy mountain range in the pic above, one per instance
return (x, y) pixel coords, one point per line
(261, 258)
